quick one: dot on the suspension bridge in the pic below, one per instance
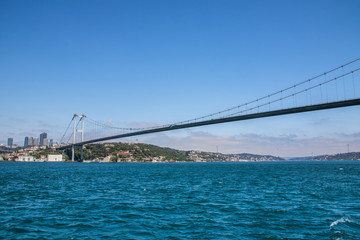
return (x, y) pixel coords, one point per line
(336, 88)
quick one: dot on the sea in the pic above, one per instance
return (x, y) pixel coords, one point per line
(248, 200)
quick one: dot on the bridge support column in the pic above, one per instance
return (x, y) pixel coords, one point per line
(73, 146)
(74, 135)
(82, 137)
(73, 153)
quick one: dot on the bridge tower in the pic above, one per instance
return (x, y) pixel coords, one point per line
(81, 119)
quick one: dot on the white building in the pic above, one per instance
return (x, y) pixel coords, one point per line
(55, 158)
(25, 158)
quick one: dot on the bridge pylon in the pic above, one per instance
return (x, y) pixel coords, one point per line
(81, 119)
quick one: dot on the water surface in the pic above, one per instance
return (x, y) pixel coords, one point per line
(268, 200)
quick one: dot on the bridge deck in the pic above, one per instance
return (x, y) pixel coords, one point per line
(317, 107)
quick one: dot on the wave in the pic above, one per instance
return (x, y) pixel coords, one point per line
(345, 224)
(341, 220)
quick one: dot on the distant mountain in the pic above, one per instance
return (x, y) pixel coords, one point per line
(330, 157)
(199, 156)
(257, 157)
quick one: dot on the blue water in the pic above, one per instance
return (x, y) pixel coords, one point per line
(301, 200)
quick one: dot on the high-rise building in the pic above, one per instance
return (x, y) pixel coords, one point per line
(10, 142)
(26, 142)
(51, 143)
(31, 141)
(42, 137)
(35, 141)
(45, 142)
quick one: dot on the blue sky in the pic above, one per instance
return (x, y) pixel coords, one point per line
(165, 61)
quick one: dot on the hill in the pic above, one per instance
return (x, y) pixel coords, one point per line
(128, 152)
(4, 149)
(140, 152)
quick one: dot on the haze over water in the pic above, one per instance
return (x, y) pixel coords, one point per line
(274, 200)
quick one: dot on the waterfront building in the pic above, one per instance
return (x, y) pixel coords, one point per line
(42, 137)
(55, 158)
(26, 142)
(10, 142)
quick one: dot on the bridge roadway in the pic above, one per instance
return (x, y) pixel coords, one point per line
(310, 108)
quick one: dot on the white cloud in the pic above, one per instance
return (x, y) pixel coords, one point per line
(141, 124)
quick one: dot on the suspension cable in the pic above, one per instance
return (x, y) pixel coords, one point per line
(65, 131)
(294, 94)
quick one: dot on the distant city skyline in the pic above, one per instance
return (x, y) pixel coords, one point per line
(33, 141)
(144, 63)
